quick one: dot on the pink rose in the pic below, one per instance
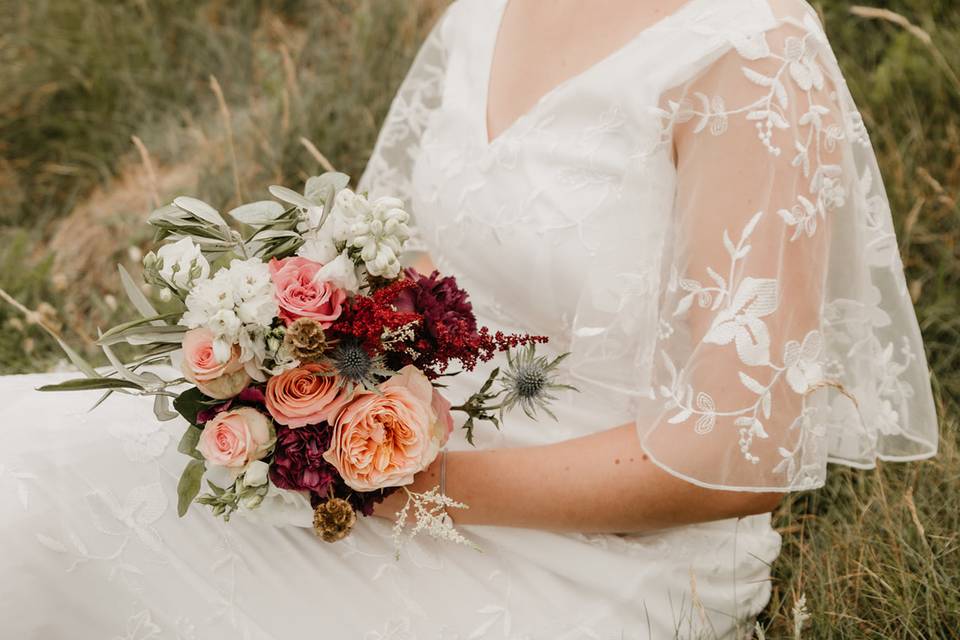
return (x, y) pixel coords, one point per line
(300, 295)
(234, 438)
(220, 380)
(383, 439)
(304, 395)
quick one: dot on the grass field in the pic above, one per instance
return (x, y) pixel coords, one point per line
(110, 107)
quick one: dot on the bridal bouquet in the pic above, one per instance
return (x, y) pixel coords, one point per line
(314, 358)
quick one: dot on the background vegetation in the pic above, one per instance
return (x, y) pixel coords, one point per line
(110, 107)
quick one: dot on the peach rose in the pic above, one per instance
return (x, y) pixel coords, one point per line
(220, 380)
(300, 295)
(441, 407)
(302, 396)
(383, 439)
(234, 438)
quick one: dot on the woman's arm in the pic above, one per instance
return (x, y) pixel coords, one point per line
(600, 483)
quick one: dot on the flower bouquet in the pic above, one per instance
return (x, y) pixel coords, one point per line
(314, 359)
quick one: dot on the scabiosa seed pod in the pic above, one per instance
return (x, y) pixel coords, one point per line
(334, 519)
(305, 340)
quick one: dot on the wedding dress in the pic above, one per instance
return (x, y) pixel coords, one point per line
(698, 217)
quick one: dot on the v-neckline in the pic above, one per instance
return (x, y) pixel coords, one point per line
(557, 88)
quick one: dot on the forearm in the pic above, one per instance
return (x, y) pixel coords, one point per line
(602, 482)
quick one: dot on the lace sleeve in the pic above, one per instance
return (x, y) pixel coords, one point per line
(788, 339)
(390, 167)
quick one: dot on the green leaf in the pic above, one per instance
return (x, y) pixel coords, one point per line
(142, 335)
(290, 196)
(137, 323)
(165, 215)
(122, 370)
(328, 199)
(136, 296)
(317, 187)
(189, 485)
(78, 360)
(271, 249)
(99, 402)
(188, 442)
(268, 234)
(200, 209)
(217, 491)
(257, 213)
(86, 384)
(191, 402)
(161, 409)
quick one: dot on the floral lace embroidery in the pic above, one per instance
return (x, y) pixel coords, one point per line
(743, 303)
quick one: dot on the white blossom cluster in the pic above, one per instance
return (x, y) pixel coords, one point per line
(429, 511)
(371, 233)
(178, 265)
(238, 305)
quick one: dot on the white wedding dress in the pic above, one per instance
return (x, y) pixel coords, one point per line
(698, 217)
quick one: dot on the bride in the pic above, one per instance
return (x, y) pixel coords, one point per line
(680, 193)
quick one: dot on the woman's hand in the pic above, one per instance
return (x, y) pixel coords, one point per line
(601, 483)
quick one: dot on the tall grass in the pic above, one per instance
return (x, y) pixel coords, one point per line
(877, 554)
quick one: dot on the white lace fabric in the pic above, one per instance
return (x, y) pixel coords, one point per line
(746, 308)
(737, 272)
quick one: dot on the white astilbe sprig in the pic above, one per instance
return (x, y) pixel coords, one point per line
(430, 513)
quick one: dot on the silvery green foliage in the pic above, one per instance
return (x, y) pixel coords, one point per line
(198, 235)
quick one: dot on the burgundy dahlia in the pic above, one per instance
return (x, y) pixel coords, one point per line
(298, 462)
(444, 305)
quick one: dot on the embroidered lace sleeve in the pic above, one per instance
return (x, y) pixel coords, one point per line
(788, 339)
(390, 167)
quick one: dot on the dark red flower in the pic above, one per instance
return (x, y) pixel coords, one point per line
(366, 318)
(445, 307)
(298, 462)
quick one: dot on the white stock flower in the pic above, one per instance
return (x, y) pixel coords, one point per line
(238, 305)
(182, 264)
(281, 508)
(342, 272)
(318, 246)
(256, 474)
(378, 229)
(250, 279)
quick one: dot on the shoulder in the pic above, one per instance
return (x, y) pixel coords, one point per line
(732, 20)
(730, 33)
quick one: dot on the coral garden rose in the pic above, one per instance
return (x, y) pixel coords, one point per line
(302, 294)
(304, 395)
(383, 439)
(236, 437)
(220, 380)
(441, 407)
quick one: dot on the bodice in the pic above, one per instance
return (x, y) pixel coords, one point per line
(521, 219)
(699, 218)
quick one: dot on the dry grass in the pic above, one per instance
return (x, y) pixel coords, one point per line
(225, 96)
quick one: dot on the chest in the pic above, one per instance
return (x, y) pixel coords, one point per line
(542, 44)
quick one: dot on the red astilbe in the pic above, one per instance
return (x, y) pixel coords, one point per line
(367, 318)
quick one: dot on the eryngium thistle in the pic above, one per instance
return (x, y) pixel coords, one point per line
(333, 519)
(305, 340)
(357, 367)
(530, 382)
